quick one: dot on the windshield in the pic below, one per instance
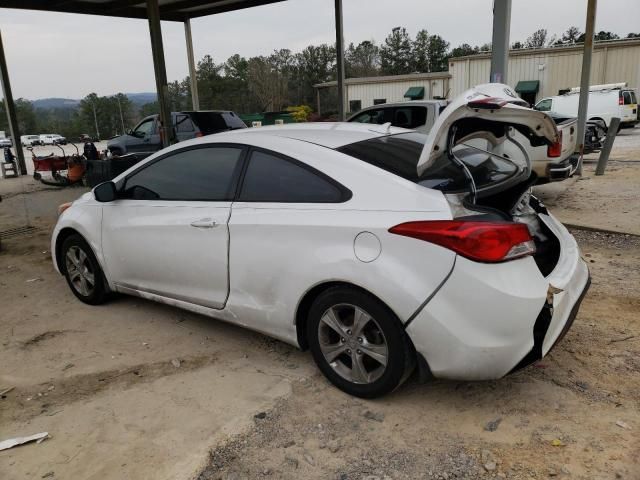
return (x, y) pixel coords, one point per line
(399, 154)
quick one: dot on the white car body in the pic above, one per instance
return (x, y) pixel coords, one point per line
(605, 102)
(48, 139)
(255, 264)
(29, 140)
(548, 166)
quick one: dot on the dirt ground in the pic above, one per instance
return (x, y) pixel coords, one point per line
(134, 389)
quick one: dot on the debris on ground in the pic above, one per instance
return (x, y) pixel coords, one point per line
(377, 416)
(622, 424)
(14, 442)
(5, 391)
(175, 362)
(492, 426)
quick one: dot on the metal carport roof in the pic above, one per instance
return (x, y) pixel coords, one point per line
(170, 10)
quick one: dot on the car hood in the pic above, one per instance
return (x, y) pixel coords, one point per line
(494, 103)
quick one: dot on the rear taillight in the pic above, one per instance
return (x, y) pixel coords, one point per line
(620, 99)
(555, 149)
(489, 242)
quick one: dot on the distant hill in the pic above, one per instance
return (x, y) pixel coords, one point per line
(47, 103)
(142, 98)
(137, 99)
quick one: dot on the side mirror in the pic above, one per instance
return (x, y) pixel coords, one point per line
(105, 192)
(129, 132)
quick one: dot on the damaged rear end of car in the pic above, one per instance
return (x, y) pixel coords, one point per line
(518, 277)
(541, 279)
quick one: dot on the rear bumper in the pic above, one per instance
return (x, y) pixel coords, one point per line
(490, 319)
(562, 170)
(629, 123)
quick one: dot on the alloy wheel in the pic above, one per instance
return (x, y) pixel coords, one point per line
(352, 343)
(79, 270)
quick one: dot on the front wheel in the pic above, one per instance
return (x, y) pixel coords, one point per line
(358, 343)
(82, 271)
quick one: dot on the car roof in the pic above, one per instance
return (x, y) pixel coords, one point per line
(326, 134)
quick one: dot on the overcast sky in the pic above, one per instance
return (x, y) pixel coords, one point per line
(63, 55)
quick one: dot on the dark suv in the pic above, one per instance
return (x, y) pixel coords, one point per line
(144, 139)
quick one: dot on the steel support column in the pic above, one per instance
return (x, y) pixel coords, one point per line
(585, 79)
(340, 60)
(157, 49)
(193, 78)
(11, 110)
(500, 41)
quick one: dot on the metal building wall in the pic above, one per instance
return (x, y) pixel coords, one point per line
(555, 68)
(394, 91)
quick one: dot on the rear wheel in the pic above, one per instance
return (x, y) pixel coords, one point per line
(82, 271)
(358, 343)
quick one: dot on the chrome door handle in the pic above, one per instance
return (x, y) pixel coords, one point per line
(204, 223)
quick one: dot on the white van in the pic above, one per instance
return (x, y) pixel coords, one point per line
(605, 102)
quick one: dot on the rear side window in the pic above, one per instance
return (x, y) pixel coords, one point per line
(626, 96)
(409, 117)
(371, 116)
(213, 122)
(184, 124)
(206, 174)
(399, 154)
(271, 178)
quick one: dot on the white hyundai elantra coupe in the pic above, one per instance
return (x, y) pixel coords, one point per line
(379, 249)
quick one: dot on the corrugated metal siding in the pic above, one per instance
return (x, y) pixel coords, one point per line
(554, 70)
(394, 91)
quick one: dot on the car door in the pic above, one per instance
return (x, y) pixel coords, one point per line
(282, 216)
(167, 233)
(145, 138)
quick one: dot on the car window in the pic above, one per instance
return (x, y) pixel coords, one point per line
(145, 128)
(399, 154)
(370, 116)
(208, 174)
(184, 124)
(633, 98)
(271, 178)
(409, 117)
(627, 98)
(544, 105)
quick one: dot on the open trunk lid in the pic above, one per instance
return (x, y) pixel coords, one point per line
(474, 120)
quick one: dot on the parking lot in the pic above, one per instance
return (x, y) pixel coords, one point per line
(135, 389)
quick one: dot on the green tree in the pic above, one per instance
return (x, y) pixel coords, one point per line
(571, 36)
(464, 50)
(420, 51)
(395, 54)
(437, 53)
(537, 39)
(362, 60)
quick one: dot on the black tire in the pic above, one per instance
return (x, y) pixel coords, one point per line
(400, 358)
(92, 295)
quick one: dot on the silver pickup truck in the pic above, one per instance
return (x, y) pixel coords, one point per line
(549, 162)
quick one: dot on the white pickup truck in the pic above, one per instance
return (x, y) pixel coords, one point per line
(549, 162)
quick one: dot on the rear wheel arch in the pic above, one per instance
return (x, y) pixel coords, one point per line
(304, 307)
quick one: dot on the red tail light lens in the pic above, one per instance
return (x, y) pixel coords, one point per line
(620, 99)
(488, 242)
(555, 150)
